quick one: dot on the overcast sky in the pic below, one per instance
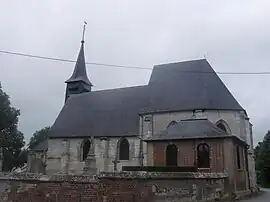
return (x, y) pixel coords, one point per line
(234, 36)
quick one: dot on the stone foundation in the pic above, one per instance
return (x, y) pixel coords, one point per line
(124, 186)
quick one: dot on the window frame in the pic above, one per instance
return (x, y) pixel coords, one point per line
(82, 159)
(204, 154)
(172, 123)
(119, 148)
(225, 125)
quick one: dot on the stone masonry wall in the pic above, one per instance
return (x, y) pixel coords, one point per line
(109, 187)
(234, 119)
(105, 153)
(105, 150)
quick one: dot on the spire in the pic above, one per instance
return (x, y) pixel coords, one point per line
(85, 23)
(79, 73)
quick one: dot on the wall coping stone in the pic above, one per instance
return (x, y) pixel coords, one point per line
(162, 175)
(109, 175)
(47, 178)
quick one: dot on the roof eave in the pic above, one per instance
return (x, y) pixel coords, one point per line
(86, 81)
(143, 113)
(194, 138)
(81, 136)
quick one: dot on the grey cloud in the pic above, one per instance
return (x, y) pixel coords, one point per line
(234, 36)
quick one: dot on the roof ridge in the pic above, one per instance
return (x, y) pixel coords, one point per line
(107, 90)
(184, 61)
(195, 119)
(121, 88)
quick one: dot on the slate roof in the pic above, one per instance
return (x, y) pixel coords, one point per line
(101, 113)
(191, 128)
(172, 87)
(79, 73)
(187, 86)
(42, 146)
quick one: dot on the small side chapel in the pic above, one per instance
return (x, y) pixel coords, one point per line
(184, 116)
(200, 143)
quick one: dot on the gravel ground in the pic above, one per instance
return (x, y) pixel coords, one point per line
(263, 197)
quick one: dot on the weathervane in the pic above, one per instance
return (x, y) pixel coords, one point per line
(84, 26)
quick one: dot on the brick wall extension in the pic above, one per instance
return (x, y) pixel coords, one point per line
(109, 187)
(187, 153)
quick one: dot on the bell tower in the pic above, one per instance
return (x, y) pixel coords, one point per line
(78, 82)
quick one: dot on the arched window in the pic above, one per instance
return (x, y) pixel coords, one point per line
(86, 145)
(172, 123)
(203, 155)
(123, 149)
(223, 126)
(171, 155)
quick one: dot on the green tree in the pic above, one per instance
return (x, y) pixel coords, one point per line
(258, 161)
(11, 139)
(262, 156)
(39, 136)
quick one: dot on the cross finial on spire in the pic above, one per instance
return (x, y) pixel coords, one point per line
(84, 26)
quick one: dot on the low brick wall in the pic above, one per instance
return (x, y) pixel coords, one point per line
(108, 187)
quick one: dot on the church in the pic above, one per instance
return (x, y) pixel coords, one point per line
(184, 116)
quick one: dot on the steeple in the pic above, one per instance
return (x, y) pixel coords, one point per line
(79, 82)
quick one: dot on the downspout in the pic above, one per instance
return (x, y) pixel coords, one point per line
(152, 124)
(106, 154)
(141, 143)
(68, 155)
(116, 157)
(247, 169)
